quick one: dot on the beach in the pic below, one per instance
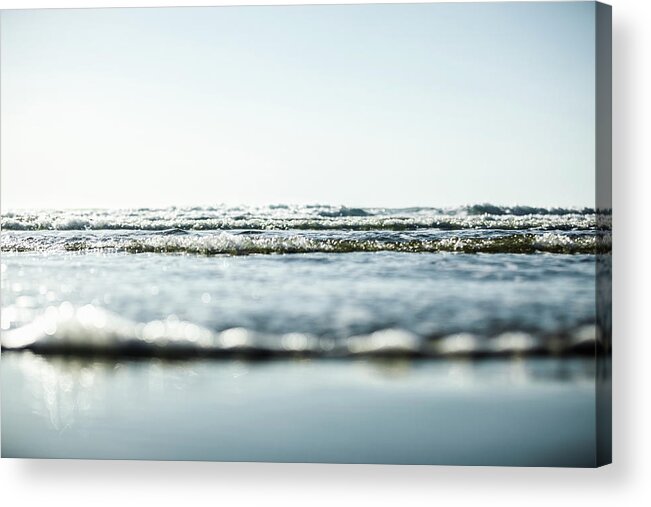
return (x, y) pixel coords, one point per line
(500, 412)
(302, 334)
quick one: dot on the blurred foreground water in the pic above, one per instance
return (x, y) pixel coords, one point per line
(536, 412)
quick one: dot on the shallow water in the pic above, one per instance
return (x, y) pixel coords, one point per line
(538, 412)
(420, 335)
(314, 303)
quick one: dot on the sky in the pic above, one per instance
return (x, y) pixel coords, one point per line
(360, 105)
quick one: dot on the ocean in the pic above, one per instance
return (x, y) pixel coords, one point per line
(303, 333)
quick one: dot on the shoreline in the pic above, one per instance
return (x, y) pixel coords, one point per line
(531, 412)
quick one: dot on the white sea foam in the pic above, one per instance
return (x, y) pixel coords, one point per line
(92, 330)
(277, 242)
(306, 218)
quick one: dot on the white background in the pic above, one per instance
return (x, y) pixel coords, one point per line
(626, 482)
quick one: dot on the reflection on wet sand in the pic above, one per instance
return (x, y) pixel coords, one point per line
(506, 411)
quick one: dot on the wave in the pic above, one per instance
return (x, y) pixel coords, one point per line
(176, 241)
(90, 330)
(282, 217)
(368, 224)
(490, 209)
(346, 212)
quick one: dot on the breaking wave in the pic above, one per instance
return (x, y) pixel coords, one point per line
(283, 217)
(90, 330)
(177, 241)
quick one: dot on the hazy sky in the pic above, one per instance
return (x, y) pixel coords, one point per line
(368, 105)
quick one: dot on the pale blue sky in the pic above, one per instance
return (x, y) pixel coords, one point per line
(367, 105)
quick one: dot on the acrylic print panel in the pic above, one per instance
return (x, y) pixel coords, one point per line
(345, 234)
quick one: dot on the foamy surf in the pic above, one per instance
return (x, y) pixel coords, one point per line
(178, 241)
(317, 217)
(91, 330)
(317, 281)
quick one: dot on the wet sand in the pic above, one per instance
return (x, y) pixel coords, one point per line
(533, 412)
